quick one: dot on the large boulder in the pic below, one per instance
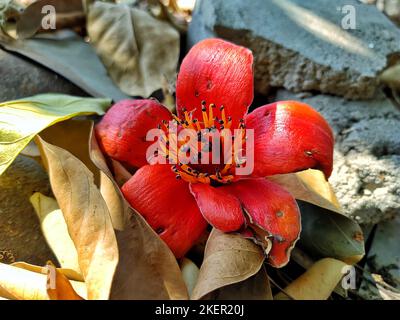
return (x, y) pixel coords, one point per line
(21, 238)
(366, 174)
(301, 44)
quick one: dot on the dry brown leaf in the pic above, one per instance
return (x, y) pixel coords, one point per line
(30, 21)
(73, 136)
(87, 217)
(317, 283)
(147, 269)
(228, 259)
(309, 186)
(58, 285)
(55, 230)
(22, 284)
(115, 202)
(256, 287)
(138, 50)
(121, 174)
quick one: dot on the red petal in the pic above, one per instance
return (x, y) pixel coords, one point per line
(290, 136)
(272, 209)
(167, 205)
(221, 209)
(122, 131)
(218, 72)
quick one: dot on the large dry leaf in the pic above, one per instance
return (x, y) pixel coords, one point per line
(310, 186)
(30, 21)
(87, 218)
(22, 284)
(256, 287)
(228, 259)
(55, 230)
(23, 119)
(147, 269)
(119, 211)
(138, 50)
(69, 55)
(78, 133)
(317, 283)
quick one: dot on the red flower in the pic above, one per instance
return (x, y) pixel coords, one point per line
(215, 84)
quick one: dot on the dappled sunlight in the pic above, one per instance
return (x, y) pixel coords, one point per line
(324, 29)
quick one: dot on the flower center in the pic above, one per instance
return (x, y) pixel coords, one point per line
(206, 130)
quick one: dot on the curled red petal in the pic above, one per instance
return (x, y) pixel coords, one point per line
(167, 205)
(273, 210)
(122, 131)
(290, 136)
(220, 208)
(218, 72)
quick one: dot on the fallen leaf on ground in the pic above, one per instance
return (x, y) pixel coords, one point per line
(55, 231)
(329, 234)
(31, 19)
(138, 50)
(228, 259)
(142, 254)
(21, 284)
(317, 283)
(190, 274)
(309, 186)
(22, 120)
(69, 273)
(58, 285)
(78, 133)
(67, 54)
(87, 218)
(256, 287)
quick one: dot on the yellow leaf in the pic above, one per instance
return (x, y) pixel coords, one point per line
(22, 284)
(87, 218)
(310, 186)
(317, 283)
(55, 230)
(228, 259)
(69, 273)
(190, 274)
(22, 119)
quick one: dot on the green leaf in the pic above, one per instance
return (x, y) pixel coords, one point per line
(21, 120)
(329, 234)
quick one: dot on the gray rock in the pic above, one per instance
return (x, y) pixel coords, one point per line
(390, 7)
(384, 259)
(366, 174)
(21, 78)
(21, 238)
(301, 45)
